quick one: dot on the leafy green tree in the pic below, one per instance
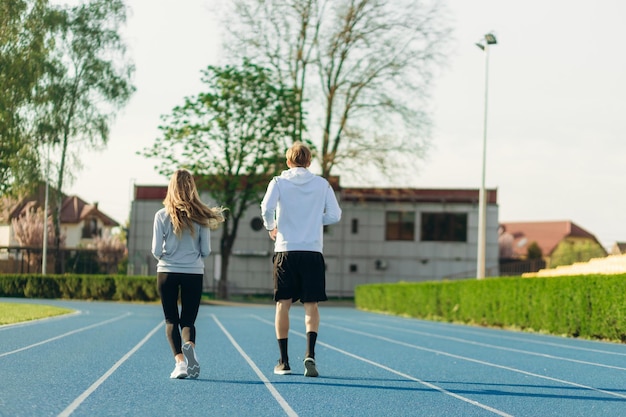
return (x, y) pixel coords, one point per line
(534, 251)
(361, 68)
(232, 138)
(88, 80)
(25, 42)
(571, 251)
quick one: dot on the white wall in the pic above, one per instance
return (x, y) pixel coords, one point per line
(250, 266)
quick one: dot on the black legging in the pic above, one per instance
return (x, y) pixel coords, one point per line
(190, 293)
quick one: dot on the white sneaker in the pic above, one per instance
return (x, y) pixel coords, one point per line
(193, 366)
(180, 371)
(309, 367)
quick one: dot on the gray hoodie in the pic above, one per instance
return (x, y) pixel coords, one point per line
(299, 203)
(184, 255)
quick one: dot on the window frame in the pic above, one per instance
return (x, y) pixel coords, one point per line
(443, 227)
(402, 230)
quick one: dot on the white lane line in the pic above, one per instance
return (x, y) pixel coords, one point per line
(403, 375)
(493, 334)
(79, 400)
(279, 398)
(65, 335)
(508, 368)
(490, 346)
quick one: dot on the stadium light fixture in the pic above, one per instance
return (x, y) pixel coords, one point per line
(483, 44)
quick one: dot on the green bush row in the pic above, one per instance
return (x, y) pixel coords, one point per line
(83, 287)
(587, 306)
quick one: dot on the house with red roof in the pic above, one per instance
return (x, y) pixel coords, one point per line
(561, 242)
(618, 248)
(80, 221)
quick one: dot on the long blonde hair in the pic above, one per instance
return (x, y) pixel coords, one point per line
(184, 206)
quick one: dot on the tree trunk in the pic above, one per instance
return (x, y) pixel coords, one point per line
(226, 250)
(58, 265)
(56, 219)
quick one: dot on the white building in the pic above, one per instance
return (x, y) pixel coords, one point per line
(385, 235)
(80, 223)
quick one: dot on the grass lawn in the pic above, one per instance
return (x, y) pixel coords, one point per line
(16, 312)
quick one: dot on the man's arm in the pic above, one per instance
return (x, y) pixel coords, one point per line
(332, 211)
(268, 206)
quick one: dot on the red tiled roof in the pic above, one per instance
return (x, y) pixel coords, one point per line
(547, 234)
(150, 192)
(73, 208)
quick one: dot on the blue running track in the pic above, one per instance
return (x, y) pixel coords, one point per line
(112, 359)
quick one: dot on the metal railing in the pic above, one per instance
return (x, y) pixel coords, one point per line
(28, 260)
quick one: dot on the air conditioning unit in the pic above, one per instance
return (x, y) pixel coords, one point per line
(381, 265)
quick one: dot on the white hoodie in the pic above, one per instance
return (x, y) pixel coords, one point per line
(299, 203)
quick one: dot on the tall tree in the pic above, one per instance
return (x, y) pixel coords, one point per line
(25, 41)
(89, 79)
(361, 69)
(232, 138)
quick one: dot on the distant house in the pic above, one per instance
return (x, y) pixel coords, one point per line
(560, 242)
(619, 248)
(80, 221)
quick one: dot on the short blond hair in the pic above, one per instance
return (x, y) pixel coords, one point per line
(299, 155)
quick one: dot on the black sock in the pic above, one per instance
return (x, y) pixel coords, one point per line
(311, 338)
(282, 345)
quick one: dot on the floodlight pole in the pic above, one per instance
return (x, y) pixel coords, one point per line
(44, 258)
(489, 39)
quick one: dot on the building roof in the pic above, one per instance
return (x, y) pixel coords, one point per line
(422, 195)
(618, 248)
(150, 192)
(547, 234)
(73, 208)
(158, 192)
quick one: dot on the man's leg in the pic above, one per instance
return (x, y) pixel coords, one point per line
(281, 324)
(312, 324)
(282, 318)
(311, 317)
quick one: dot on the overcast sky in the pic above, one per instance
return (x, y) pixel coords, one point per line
(556, 137)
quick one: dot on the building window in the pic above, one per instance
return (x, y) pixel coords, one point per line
(444, 227)
(353, 268)
(90, 228)
(355, 226)
(400, 225)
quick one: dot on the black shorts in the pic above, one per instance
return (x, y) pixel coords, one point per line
(299, 275)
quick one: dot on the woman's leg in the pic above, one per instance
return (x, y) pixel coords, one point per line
(190, 293)
(167, 284)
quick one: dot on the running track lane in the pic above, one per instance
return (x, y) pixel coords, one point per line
(111, 359)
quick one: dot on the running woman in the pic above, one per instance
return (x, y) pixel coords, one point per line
(181, 241)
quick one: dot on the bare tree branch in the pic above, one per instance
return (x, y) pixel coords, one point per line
(373, 60)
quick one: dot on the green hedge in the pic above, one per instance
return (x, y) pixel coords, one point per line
(83, 287)
(588, 306)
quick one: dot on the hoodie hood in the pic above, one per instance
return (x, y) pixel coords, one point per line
(297, 175)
